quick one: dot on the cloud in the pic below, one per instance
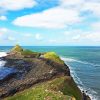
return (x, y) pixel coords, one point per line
(28, 35)
(92, 6)
(52, 18)
(3, 30)
(38, 36)
(96, 26)
(7, 34)
(71, 3)
(3, 18)
(94, 37)
(10, 38)
(53, 41)
(65, 14)
(77, 37)
(90, 37)
(13, 5)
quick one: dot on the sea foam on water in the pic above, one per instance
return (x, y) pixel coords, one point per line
(3, 54)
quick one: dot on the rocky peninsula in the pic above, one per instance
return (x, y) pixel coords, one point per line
(37, 76)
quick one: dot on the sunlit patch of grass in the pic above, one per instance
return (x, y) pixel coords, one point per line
(17, 48)
(53, 56)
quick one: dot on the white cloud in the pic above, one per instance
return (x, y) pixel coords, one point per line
(52, 18)
(10, 38)
(96, 26)
(3, 30)
(13, 5)
(38, 36)
(3, 18)
(83, 5)
(63, 15)
(53, 41)
(77, 37)
(93, 7)
(28, 35)
(74, 31)
(90, 37)
(94, 37)
(68, 3)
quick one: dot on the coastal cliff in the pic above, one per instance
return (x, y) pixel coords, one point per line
(38, 76)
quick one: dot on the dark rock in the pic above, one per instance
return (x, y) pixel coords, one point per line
(85, 96)
(7, 78)
(29, 72)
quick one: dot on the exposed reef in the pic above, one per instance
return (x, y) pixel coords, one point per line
(38, 76)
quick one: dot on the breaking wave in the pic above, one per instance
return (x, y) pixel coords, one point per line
(2, 54)
(92, 94)
(79, 61)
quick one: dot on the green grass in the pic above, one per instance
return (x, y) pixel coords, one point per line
(17, 48)
(26, 53)
(30, 53)
(53, 56)
(62, 88)
(67, 86)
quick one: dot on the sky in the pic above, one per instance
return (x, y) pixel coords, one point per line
(50, 22)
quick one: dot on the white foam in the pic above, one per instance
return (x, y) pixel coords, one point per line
(68, 59)
(90, 92)
(3, 54)
(79, 61)
(82, 87)
(2, 63)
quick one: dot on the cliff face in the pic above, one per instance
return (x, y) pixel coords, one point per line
(42, 76)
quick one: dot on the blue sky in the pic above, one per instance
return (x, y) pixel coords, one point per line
(50, 22)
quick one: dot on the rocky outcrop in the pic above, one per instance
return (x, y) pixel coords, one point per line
(35, 70)
(29, 73)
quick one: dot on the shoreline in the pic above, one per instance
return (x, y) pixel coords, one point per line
(3, 54)
(78, 81)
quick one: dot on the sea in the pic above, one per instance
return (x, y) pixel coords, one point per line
(83, 61)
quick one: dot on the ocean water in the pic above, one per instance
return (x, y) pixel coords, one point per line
(84, 64)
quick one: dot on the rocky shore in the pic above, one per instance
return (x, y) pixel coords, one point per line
(42, 76)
